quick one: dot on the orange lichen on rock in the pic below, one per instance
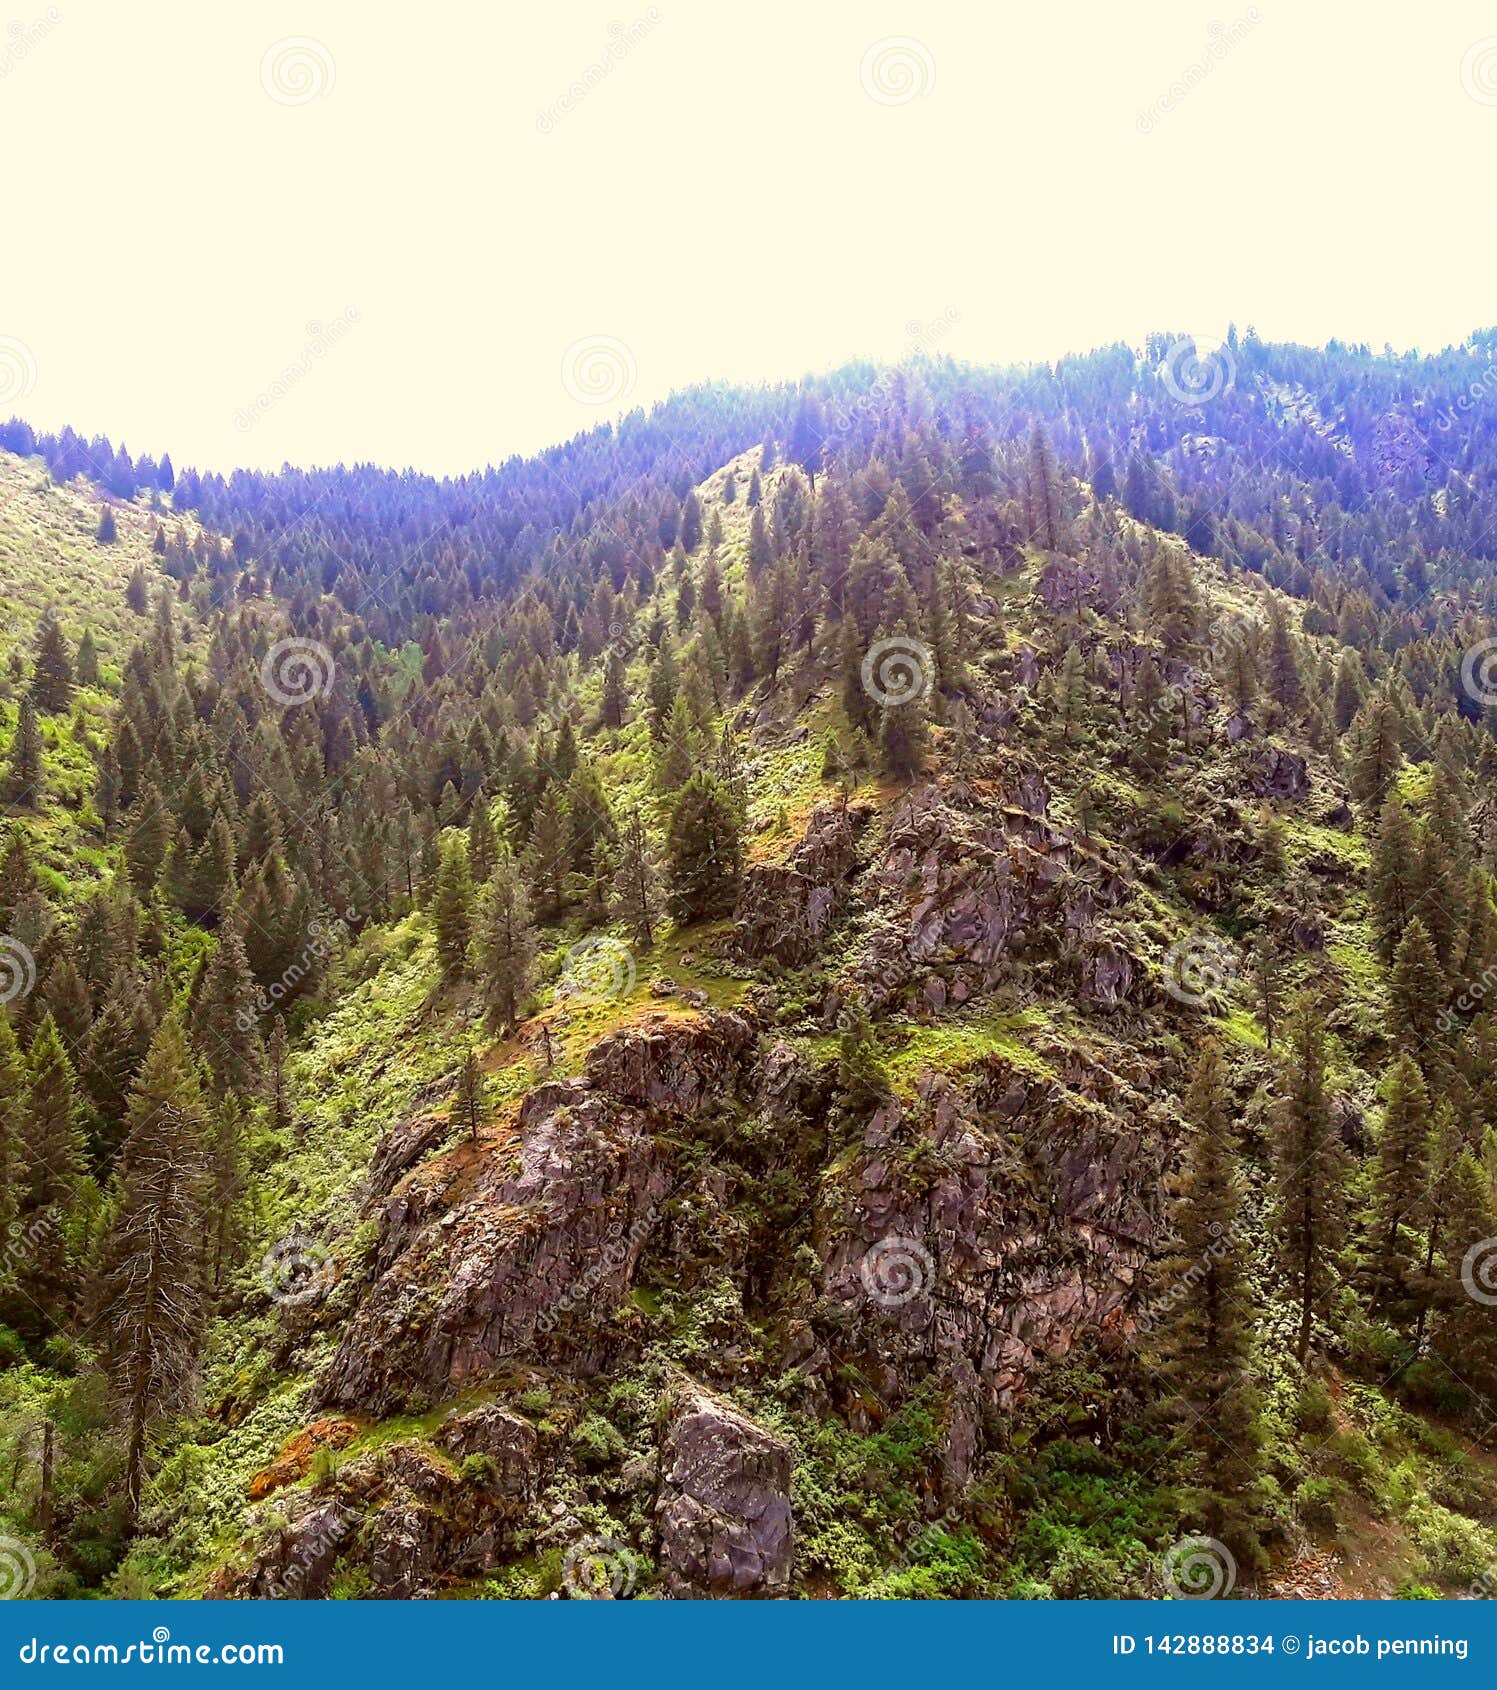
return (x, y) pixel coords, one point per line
(294, 1460)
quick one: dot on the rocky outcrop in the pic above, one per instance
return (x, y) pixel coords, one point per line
(402, 1517)
(723, 1512)
(486, 1256)
(785, 909)
(981, 1227)
(966, 885)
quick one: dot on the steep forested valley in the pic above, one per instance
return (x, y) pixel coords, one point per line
(877, 987)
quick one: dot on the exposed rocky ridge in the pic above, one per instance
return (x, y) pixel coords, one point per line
(1013, 1208)
(532, 1250)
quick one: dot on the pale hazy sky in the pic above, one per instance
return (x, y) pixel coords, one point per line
(434, 235)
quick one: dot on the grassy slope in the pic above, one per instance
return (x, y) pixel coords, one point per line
(50, 556)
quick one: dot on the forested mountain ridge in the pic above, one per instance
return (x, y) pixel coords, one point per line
(874, 987)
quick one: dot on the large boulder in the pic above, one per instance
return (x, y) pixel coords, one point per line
(724, 1504)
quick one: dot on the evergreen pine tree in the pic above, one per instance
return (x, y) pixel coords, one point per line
(705, 851)
(506, 945)
(1207, 1335)
(452, 911)
(1399, 1181)
(1308, 1171)
(52, 680)
(469, 1100)
(152, 1287)
(225, 1021)
(23, 775)
(638, 880)
(1417, 993)
(54, 1166)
